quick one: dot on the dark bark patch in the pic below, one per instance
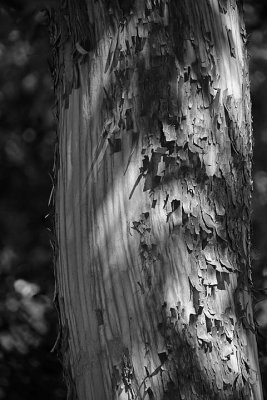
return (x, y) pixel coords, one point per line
(99, 317)
(150, 394)
(129, 120)
(115, 145)
(151, 182)
(163, 357)
(208, 324)
(175, 204)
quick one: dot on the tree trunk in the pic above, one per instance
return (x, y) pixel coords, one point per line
(152, 202)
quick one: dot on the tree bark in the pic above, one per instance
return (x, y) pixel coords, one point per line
(153, 200)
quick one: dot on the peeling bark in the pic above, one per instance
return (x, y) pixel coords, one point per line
(153, 198)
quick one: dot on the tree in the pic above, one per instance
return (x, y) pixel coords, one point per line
(152, 200)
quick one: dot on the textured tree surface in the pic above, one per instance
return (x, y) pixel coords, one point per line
(153, 200)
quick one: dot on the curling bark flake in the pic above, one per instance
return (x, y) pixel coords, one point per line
(153, 200)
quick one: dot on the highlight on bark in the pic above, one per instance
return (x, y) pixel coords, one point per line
(153, 200)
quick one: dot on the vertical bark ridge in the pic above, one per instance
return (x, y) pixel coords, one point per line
(153, 200)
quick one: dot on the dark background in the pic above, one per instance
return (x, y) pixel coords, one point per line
(28, 322)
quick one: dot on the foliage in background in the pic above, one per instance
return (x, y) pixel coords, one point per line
(28, 323)
(256, 21)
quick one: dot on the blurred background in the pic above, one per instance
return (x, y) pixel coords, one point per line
(28, 321)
